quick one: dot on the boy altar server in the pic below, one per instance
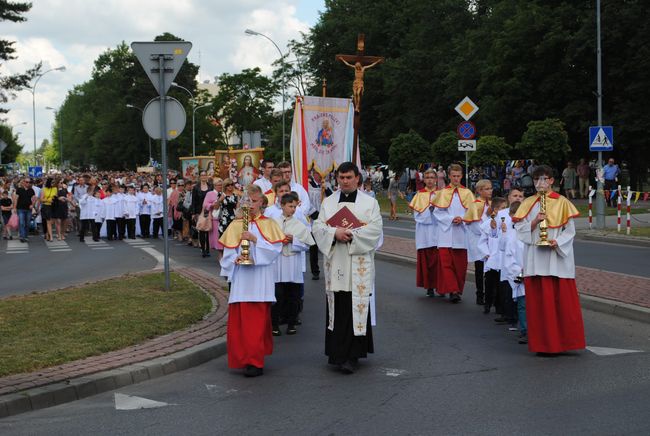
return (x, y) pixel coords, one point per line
(512, 268)
(451, 204)
(289, 271)
(474, 217)
(252, 287)
(349, 267)
(552, 304)
(426, 242)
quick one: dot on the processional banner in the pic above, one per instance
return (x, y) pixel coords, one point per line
(321, 136)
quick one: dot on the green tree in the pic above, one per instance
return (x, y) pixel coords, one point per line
(408, 150)
(490, 150)
(245, 101)
(13, 11)
(445, 149)
(11, 152)
(99, 129)
(545, 141)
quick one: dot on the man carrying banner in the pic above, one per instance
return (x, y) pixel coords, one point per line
(349, 268)
(426, 234)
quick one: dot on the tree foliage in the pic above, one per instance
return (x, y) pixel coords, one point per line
(15, 12)
(408, 150)
(99, 129)
(10, 153)
(445, 149)
(519, 60)
(545, 141)
(245, 101)
(490, 150)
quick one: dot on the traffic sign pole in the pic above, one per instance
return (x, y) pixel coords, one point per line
(163, 151)
(600, 194)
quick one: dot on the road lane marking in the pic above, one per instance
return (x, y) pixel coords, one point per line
(604, 351)
(131, 402)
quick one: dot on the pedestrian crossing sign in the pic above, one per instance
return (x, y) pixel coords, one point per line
(601, 138)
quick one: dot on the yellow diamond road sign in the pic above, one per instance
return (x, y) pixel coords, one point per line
(466, 108)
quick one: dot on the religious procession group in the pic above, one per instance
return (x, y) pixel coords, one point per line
(264, 261)
(522, 251)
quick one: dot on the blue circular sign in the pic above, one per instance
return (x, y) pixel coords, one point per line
(466, 130)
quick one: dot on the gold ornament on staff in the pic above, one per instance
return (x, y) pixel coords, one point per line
(245, 243)
(543, 225)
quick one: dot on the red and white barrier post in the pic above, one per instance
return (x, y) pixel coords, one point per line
(629, 206)
(618, 208)
(591, 197)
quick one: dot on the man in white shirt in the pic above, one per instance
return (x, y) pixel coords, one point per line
(287, 174)
(264, 182)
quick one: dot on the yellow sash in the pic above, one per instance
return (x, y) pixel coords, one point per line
(475, 212)
(558, 209)
(422, 200)
(268, 228)
(444, 196)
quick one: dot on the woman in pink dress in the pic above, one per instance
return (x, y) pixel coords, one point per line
(442, 176)
(211, 203)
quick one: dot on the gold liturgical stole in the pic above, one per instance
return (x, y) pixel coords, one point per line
(422, 200)
(558, 209)
(269, 229)
(475, 213)
(444, 196)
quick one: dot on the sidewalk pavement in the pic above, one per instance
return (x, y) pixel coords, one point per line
(160, 356)
(603, 291)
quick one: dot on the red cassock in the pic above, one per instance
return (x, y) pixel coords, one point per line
(427, 265)
(553, 315)
(452, 268)
(249, 336)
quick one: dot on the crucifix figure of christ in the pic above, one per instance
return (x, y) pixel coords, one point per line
(360, 63)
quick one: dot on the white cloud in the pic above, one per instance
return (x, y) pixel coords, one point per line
(74, 32)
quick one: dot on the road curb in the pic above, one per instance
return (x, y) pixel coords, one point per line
(621, 240)
(616, 308)
(82, 387)
(589, 302)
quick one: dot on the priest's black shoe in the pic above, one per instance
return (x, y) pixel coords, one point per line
(315, 276)
(253, 371)
(291, 330)
(455, 298)
(431, 293)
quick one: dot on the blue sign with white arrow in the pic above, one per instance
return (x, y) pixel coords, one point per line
(35, 171)
(601, 138)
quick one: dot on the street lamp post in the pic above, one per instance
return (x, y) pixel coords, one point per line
(254, 33)
(60, 136)
(135, 107)
(194, 108)
(193, 113)
(33, 91)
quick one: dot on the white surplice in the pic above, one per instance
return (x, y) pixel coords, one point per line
(546, 261)
(252, 283)
(350, 267)
(451, 235)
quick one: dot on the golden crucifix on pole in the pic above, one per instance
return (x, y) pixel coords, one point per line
(360, 63)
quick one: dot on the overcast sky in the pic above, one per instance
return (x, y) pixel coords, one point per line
(74, 32)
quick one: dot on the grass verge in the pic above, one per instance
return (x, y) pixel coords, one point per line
(611, 211)
(43, 330)
(634, 231)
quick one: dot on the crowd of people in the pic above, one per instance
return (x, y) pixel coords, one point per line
(527, 284)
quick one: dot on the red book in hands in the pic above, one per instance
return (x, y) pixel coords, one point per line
(344, 218)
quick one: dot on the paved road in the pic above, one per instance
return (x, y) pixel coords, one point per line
(626, 259)
(439, 369)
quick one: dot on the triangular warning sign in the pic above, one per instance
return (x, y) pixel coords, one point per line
(174, 53)
(601, 139)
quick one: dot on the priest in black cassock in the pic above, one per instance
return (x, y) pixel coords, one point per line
(349, 268)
